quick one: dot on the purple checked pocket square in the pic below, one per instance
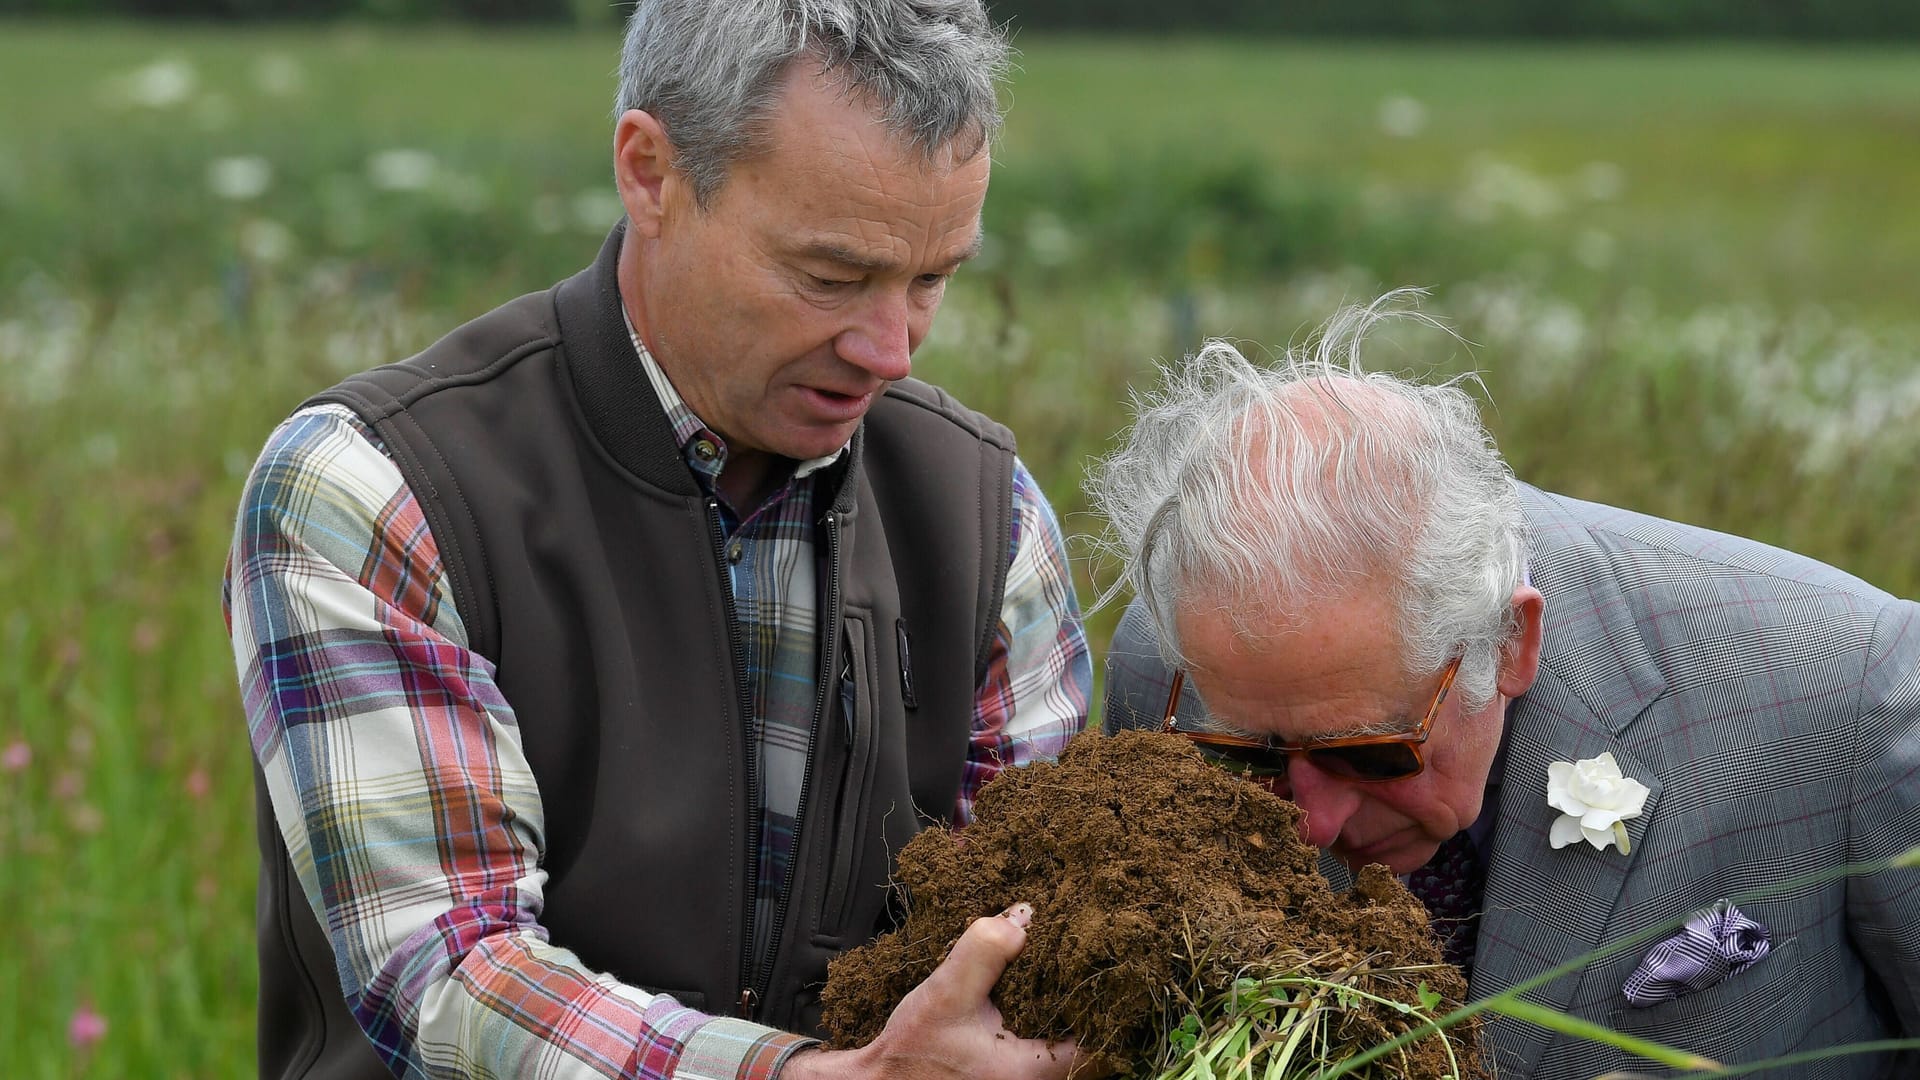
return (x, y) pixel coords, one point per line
(1714, 944)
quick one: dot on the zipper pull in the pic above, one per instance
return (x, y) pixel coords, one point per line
(907, 696)
(746, 1004)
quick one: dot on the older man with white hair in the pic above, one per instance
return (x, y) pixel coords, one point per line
(1564, 723)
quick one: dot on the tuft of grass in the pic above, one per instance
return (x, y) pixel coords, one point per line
(1282, 1025)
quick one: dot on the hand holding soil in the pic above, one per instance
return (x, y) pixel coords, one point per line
(947, 1026)
(1156, 881)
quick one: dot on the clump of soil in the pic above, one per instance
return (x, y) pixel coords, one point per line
(1152, 874)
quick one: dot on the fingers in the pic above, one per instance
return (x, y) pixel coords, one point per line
(948, 1027)
(985, 950)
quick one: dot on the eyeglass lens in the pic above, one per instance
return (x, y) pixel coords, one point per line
(1366, 761)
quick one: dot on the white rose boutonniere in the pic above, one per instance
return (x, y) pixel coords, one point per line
(1594, 801)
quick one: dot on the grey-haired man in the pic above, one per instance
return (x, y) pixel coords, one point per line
(598, 658)
(1566, 723)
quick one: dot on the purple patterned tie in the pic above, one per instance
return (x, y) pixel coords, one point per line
(1450, 887)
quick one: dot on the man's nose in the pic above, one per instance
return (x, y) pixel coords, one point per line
(1328, 802)
(879, 342)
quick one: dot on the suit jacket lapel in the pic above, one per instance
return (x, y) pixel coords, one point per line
(1545, 907)
(1542, 907)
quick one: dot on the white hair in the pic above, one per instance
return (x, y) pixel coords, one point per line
(710, 71)
(1264, 490)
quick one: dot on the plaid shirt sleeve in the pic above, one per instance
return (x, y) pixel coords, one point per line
(410, 813)
(1039, 675)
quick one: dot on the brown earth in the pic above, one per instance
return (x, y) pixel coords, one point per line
(1152, 875)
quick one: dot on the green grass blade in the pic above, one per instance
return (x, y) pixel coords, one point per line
(1554, 1020)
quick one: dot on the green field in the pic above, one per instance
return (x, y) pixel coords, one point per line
(1687, 273)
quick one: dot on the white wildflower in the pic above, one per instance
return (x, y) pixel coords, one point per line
(596, 209)
(162, 84)
(402, 170)
(1048, 239)
(1402, 117)
(265, 240)
(1602, 181)
(239, 178)
(1593, 249)
(279, 75)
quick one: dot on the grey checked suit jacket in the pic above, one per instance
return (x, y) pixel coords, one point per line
(1772, 706)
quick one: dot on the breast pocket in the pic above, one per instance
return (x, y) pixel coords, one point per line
(852, 807)
(1744, 1017)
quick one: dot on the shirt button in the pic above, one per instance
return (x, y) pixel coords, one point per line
(735, 550)
(705, 450)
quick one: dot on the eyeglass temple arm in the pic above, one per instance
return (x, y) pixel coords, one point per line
(1173, 700)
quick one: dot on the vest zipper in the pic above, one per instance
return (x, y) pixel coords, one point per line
(905, 641)
(718, 531)
(828, 632)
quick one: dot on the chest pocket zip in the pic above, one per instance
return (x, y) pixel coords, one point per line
(850, 825)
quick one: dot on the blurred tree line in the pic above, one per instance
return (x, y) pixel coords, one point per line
(1833, 19)
(530, 11)
(1810, 19)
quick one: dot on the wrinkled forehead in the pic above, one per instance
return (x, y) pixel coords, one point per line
(1235, 639)
(1324, 675)
(1343, 602)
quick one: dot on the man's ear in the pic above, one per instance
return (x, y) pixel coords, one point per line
(1520, 659)
(642, 167)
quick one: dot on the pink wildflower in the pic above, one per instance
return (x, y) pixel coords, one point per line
(18, 755)
(87, 1027)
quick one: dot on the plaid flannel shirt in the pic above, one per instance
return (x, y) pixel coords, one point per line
(410, 813)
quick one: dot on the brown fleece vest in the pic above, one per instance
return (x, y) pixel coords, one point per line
(584, 559)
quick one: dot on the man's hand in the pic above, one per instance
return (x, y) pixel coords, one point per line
(947, 1027)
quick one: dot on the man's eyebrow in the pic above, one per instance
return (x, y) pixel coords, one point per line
(1398, 724)
(973, 248)
(842, 255)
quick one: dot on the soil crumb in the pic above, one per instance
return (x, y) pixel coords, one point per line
(1155, 878)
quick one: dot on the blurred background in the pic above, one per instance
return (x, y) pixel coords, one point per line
(1680, 240)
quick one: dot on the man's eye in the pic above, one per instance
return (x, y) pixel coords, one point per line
(931, 281)
(830, 283)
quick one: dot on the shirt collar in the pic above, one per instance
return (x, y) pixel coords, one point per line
(704, 449)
